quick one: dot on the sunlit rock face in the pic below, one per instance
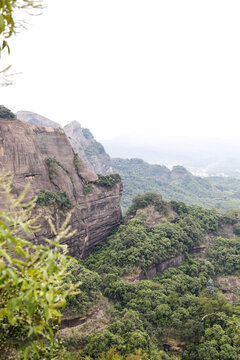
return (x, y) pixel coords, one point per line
(25, 150)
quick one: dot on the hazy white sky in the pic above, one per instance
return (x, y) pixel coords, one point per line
(157, 68)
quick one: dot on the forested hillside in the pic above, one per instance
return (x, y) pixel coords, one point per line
(164, 286)
(176, 312)
(179, 184)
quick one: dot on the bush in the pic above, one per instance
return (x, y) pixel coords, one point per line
(236, 230)
(89, 288)
(87, 189)
(108, 180)
(95, 148)
(142, 201)
(6, 113)
(76, 162)
(52, 171)
(58, 200)
(31, 286)
(87, 133)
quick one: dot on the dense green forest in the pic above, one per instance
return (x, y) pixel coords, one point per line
(179, 313)
(140, 177)
(159, 288)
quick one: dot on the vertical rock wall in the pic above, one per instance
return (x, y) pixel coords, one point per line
(25, 150)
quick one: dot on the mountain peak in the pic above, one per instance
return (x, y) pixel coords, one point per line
(74, 124)
(36, 119)
(81, 139)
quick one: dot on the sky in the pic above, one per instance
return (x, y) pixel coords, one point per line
(148, 69)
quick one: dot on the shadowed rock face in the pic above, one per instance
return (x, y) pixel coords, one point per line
(24, 151)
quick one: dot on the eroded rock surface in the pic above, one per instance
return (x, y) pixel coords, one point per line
(230, 287)
(81, 139)
(88, 148)
(97, 319)
(25, 150)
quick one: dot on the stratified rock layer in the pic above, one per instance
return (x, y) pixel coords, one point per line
(24, 151)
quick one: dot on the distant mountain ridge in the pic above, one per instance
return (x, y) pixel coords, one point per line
(36, 119)
(177, 184)
(209, 157)
(81, 139)
(140, 177)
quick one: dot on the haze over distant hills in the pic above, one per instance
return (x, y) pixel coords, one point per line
(140, 177)
(213, 157)
(36, 119)
(203, 158)
(179, 184)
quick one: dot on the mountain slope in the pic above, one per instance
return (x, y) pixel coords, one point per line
(162, 281)
(88, 148)
(179, 184)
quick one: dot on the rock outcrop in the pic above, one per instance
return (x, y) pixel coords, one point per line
(44, 158)
(229, 286)
(80, 138)
(88, 148)
(151, 216)
(159, 268)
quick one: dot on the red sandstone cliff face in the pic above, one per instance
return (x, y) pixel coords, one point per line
(81, 139)
(24, 151)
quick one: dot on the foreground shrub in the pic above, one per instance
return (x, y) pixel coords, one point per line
(32, 291)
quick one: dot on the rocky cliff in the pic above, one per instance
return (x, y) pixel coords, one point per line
(81, 140)
(44, 158)
(88, 148)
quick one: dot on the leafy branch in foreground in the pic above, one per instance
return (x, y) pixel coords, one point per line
(10, 23)
(32, 291)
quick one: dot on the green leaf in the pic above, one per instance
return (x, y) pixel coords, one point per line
(27, 353)
(12, 304)
(2, 25)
